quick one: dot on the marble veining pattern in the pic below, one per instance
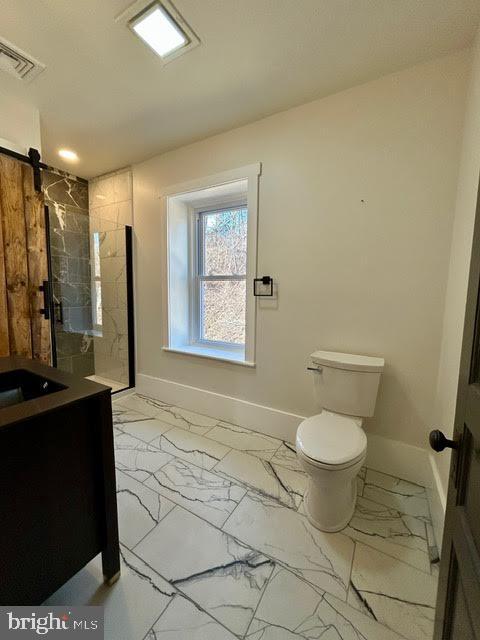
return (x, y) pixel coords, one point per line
(291, 608)
(139, 509)
(393, 593)
(226, 579)
(191, 447)
(138, 459)
(110, 210)
(271, 480)
(320, 558)
(256, 444)
(216, 545)
(67, 201)
(398, 535)
(206, 494)
(405, 497)
(185, 620)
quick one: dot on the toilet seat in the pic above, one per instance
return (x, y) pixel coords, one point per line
(331, 440)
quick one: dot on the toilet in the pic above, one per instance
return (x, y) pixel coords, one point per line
(332, 445)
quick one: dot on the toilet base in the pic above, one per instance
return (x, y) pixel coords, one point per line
(334, 528)
(331, 495)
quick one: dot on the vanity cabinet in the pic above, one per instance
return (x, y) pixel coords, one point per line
(57, 480)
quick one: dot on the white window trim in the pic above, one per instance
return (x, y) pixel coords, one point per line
(234, 355)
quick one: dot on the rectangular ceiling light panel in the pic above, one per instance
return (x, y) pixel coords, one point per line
(161, 27)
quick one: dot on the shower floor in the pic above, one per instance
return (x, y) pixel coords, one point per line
(116, 386)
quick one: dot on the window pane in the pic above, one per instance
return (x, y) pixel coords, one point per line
(222, 308)
(96, 254)
(225, 242)
(98, 303)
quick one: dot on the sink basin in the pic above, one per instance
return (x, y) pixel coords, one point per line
(21, 385)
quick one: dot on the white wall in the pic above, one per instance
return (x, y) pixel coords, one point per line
(453, 319)
(19, 124)
(356, 201)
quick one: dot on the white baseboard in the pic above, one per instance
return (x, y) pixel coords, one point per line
(279, 424)
(437, 499)
(388, 456)
(398, 459)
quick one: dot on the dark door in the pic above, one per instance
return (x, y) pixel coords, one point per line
(458, 602)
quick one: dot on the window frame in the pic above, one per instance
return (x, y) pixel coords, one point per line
(179, 202)
(197, 276)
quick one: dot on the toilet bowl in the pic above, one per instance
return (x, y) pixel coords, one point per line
(332, 445)
(331, 449)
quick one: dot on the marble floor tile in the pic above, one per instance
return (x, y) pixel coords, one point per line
(142, 404)
(226, 579)
(122, 415)
(256, 444)
(143, 428)
(188, 420)
(361, 481)
(393, 593)
(191, 447)
(137, 458)
(175, 416)
(286, 456)
(324, 559)
(401, 495)
(183, 620)
(274, 481)
(204, 493)
(131, 605)
(140, 509)
(393, 533)
(291, 608)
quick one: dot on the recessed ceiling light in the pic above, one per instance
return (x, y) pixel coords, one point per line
(158, 29)
(159, 25)
(67, 154)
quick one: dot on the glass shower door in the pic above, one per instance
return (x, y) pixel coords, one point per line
(92, 302)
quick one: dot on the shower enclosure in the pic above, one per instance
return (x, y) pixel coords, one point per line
(91, 299)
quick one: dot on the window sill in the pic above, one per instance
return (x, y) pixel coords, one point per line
(212, 353)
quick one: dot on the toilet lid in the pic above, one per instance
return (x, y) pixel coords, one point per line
(331, 438)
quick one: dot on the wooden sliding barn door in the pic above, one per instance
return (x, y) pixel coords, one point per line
(24, 330)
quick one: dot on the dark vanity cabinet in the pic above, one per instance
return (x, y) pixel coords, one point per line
(57, 480)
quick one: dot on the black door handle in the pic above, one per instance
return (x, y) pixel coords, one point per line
(439, 442)
(45, 287)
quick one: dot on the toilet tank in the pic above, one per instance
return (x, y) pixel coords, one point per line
(346, 383)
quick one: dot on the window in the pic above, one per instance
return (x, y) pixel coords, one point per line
(220, 291)
(97, 283)
(211, 263)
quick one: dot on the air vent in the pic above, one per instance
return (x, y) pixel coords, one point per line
(18, 63)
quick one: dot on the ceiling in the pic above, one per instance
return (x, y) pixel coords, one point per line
(106, 95)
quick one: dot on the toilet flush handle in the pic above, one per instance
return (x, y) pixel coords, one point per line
(317, 369)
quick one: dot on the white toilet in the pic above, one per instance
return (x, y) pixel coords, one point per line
(332, 445)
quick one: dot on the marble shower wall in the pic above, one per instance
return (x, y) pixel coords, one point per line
(67, 200)
(110, 210)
